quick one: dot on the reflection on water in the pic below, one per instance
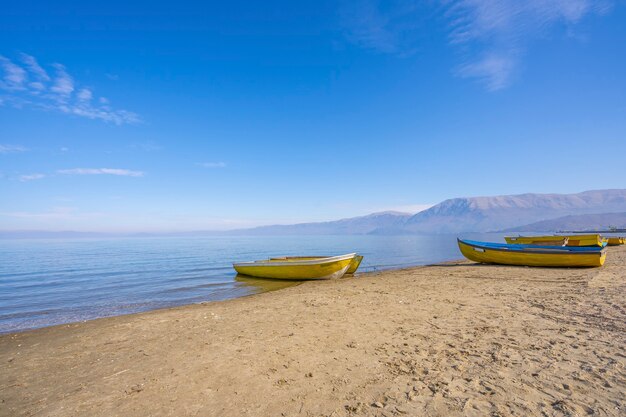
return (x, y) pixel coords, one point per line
(264, 284)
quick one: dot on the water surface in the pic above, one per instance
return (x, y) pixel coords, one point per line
(46, 282)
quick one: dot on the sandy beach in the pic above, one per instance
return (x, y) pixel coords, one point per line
(452, 339)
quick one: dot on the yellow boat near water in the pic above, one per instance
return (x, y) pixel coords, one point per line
(531, 255)
(572, 240)
(308, 268)
(585, 240)
(615, 241)
(354, 265)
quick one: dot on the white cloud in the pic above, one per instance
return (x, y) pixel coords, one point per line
(11, 148)
(390, 28)
(34, 67)
(101, 171)
(482, 19)
(84, 94)
(492, 70)
(37, 86)
(14, 75)
(60, 93)
(31, 177)
(498, 29)
(503, 28)
(63, 82)
(118, 117)
(213, 164)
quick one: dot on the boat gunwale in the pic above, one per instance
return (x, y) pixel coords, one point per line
(557, 250)
(269, 262)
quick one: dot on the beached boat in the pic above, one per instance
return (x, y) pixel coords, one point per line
(615, 241)
(315, 268)
(585, 240)
(531, 255)
(572, 240)
(354, 265)
(537, 240)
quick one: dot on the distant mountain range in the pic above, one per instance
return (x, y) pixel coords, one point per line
(523, 212)
(604, 221)
(386, 220)
(467, 214)
(479, 214)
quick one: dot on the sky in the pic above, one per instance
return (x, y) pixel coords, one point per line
(176, 116)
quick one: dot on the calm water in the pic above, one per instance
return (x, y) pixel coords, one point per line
(46, 282)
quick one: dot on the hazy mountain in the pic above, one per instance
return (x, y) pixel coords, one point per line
(579, 222)
(465, 215)
(541, 212)
(503, 212)
(388, 220)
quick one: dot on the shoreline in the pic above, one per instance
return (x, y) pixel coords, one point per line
(454, 338)
(279, 284)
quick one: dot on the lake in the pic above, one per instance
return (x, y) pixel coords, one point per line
(54, 281)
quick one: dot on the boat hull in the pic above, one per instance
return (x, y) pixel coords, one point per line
(615, 241)
(531, 256)
(310, 269)
(354, 265)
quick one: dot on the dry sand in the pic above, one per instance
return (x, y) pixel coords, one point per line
(455, 339)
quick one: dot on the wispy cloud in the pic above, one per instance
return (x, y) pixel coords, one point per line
(63, 82)
(34, 67)
(28, 84)
(101, 171)
(84, 94)
(31, 177)
(493, 70)
(491, 34)
(503, 28)
(516, 20)
(213, 164)
(11, 148)
(14, 75)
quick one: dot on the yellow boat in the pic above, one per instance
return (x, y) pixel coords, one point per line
(585, 240)
(315, 268)
(572, 240)
(531, 255)
(354, 265)
(615, 241)
(537, 240)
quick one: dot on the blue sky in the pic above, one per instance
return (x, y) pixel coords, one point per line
(161, 116)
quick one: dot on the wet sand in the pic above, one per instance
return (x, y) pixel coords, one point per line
(445, 340)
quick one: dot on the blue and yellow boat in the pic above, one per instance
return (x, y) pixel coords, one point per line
(306, 268)
(532, 255)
